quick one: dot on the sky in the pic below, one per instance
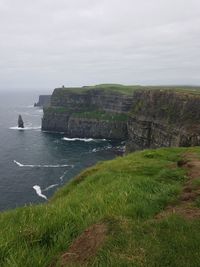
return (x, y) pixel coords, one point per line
(49, 43)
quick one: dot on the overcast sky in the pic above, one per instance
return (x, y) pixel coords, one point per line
(47, 43)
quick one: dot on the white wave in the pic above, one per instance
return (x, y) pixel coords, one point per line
(18, 163)
(62, 176)
(82, 139)
(49, 187)
(25, 128)
(29, 106)
(38, 191)
(54, 132)
(42, 166)
(94, 150)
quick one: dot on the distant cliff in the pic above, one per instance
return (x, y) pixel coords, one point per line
(164, 118)
(88, 112)
(44, 100)
(145, 118)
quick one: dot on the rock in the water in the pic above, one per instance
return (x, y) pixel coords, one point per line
(20, 122)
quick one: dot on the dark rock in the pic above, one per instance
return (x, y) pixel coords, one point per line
(44, 101)
(20, 122)
(163, 119)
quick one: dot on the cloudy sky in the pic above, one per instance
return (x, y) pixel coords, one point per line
(47, 43)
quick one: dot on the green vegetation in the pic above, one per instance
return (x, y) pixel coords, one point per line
(101, 115)
(124, 89)
(125, 194)
(129, 89)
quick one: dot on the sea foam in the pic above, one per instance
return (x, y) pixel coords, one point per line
(42, 166)
(82, 139)
(39, 191)
(62, 176)
(49, 187)
(25, 128)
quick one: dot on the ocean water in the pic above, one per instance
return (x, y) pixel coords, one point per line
(34, 164)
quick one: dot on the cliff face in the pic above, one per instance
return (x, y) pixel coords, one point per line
(146, 118)
(162, 119)
(94, 128)
(99, 99)
(84, 127)
(91, 113)
(44, 100)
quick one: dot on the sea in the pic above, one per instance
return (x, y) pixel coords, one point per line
(35, 164)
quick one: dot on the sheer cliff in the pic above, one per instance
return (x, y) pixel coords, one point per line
(44, 100)
(145, 118)
(162, 118)
(88, 112)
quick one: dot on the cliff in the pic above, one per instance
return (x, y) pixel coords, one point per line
(44, 100)
(146, 118)
(164, 118)
(88, 112)
(92, 98)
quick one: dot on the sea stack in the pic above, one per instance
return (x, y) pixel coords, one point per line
(20, 122)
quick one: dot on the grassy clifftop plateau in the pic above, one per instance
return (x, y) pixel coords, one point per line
(129, 89)
(139, 210)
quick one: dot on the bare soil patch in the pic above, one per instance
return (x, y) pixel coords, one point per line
(85, 246)
(186, 202)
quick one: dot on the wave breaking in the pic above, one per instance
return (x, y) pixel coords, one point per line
(42, 166)
(50, 187)
(25, 128)
(39, 191)
(82, 139)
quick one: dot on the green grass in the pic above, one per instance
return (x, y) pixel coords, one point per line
(126, 194)
(123, 89)
(129, 89)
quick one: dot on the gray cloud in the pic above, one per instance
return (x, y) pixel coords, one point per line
(46, 43)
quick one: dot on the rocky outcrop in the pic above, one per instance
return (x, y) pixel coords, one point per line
(162, 119)
(20, 122)
(44, 100)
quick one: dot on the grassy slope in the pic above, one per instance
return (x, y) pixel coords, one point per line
(126, 193)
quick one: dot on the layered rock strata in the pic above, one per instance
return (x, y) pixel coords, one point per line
(152, 118)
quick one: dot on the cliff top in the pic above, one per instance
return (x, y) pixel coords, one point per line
(129, 89)
(137, 210)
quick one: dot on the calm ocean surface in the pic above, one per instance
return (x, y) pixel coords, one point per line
(34, 164)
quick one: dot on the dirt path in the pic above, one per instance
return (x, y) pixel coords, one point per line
(191, 190)
(85, 246)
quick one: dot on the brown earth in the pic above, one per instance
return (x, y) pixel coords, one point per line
(190, 193)
(85, 247)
